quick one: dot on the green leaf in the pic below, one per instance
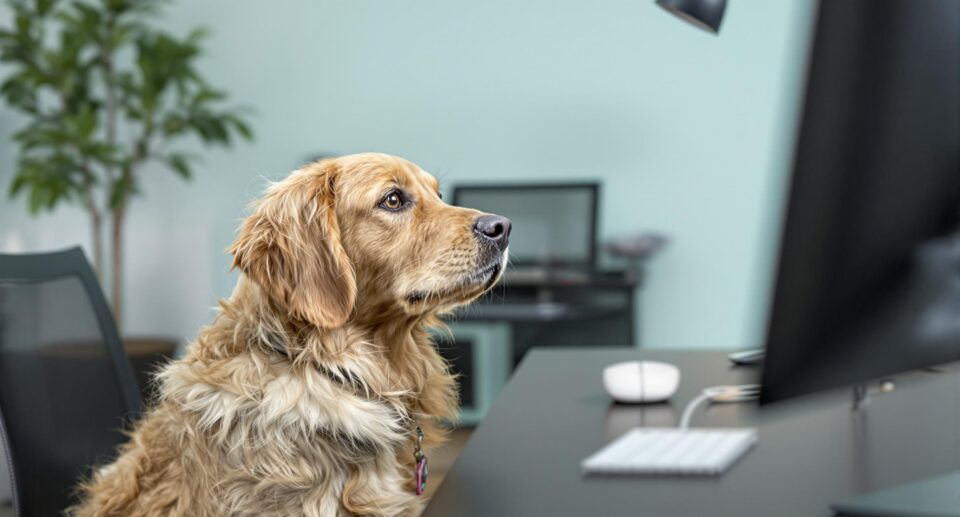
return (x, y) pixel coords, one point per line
(47, 180)
(122, 35)
(20, 94)
(36, 200)
(23, 22)
(86, 121)
(180, 164)
(241, 127)
(43, 6)
(208, 95)
(17, 185)
(196, 35)
(88, 16)
(173, 124)
(101, 152)
(41, 134)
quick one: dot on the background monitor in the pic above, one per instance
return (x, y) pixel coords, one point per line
(869, 267)
(553, 224)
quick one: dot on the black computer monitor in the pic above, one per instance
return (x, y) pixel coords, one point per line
(554, 224)
(868, 281)
(869, 269)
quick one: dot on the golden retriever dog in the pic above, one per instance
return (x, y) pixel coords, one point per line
(306, 393)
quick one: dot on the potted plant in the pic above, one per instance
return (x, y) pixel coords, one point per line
(104, 93)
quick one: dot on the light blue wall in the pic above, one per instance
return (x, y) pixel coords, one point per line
(688, 132)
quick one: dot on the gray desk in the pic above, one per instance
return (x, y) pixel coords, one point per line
(524, 458)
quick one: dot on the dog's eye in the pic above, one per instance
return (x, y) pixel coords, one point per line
(440, 195)
(393, 201)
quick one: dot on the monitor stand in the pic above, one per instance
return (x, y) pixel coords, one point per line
(861, 397)
(931, 497)
(863, 392)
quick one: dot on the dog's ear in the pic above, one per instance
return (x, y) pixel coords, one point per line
(291, 247)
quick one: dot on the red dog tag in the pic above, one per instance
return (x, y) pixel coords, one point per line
(421, 470)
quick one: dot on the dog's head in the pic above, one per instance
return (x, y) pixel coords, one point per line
(367, 232)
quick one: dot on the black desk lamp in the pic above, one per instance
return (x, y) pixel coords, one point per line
(705, 14)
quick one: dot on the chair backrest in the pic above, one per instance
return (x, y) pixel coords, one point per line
(66, 386)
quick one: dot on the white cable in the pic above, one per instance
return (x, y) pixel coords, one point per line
(720, 395)
(691, 406)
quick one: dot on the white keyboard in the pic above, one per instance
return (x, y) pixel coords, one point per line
(672, 451)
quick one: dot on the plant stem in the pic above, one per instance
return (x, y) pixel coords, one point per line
(110, 105)
(96, 227)
(96, 218)
(141, 152)
(116, 282)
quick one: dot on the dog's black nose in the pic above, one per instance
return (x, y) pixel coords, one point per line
(494, 227)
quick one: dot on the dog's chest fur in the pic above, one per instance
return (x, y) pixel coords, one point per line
(324, 426)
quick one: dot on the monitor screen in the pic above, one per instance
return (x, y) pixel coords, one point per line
(868, 282)
(553, 224)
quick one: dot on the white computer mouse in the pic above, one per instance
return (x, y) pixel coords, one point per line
(641, 381)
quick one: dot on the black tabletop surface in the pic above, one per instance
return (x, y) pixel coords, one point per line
(524, 459)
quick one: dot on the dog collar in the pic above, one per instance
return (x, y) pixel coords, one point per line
(421, 471)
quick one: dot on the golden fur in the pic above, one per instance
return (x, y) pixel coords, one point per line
(301, 398)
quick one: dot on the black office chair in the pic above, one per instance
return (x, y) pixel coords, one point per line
(66, 385)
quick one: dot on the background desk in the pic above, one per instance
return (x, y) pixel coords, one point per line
(535, 308)
(561, 309)
(524, 459)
